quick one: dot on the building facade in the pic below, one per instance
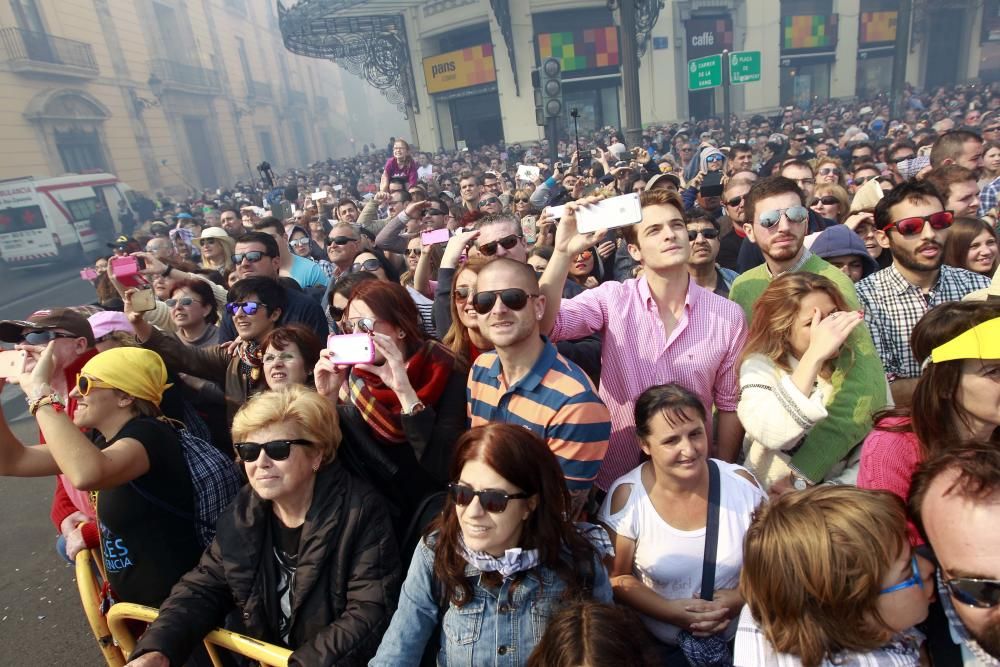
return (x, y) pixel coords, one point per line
(470, 61)
(169, 95)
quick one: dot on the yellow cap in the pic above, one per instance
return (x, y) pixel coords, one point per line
(136, 371)
(980, 342)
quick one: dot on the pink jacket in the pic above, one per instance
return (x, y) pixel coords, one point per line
(888, 461)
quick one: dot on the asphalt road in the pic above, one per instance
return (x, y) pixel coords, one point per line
(41, 622)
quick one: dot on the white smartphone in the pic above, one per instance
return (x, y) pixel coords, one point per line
(349, 349)
(618, 211)
(557, 211)
(319, 195)
(526, 172)
(12, 363)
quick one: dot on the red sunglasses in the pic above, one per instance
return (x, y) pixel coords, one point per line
(915, 225)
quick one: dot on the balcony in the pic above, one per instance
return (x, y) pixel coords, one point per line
(297, 98)
(185, 78)
(30, 52)
(259, 91)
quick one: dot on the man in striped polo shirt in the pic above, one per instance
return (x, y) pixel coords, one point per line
(526, 381)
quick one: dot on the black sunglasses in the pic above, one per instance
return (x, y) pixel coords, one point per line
(508, 242)
(335, 313)
(494, 502)
(432, 211)
(367, 265)
(252, 256)
(979, 593)
(514, 298)
(463, 292)
(342, 240)
(708, 233)
(828, 200)
(488, 201)
(276, 450)
(44, 337)
(734, 201)
(413, 251)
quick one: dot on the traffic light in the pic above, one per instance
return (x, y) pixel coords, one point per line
(536, 84)
(551, 88)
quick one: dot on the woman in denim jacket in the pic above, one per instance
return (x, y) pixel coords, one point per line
(501, 560)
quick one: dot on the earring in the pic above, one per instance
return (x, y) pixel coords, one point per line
(316, 468)
(401, 334)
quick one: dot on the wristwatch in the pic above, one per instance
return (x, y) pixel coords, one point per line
(800, 483)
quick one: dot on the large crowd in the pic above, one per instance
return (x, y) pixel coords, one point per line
(693, 402)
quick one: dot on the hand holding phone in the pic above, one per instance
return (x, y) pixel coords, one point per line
(435, 236)
(142, 299)
(128, 270)
(88, 273)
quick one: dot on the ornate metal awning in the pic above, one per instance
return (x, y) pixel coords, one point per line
(372, 47)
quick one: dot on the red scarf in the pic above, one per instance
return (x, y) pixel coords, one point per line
(429, 371)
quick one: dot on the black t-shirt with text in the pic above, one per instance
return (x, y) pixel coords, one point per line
(147, 547)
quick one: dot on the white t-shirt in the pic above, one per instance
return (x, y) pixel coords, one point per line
(425, 173)
(669, 560)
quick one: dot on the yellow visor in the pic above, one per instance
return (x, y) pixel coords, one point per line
(980, 342)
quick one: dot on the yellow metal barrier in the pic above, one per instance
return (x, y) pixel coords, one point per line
(88, 564)
(266, 654)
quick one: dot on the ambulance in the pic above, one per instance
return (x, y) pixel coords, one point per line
(47, 220)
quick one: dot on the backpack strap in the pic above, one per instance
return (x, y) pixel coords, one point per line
(711, 533)
(167, 507)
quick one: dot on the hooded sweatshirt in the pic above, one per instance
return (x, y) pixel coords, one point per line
(840, 240)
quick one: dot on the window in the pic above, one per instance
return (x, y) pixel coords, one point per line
(82, 209)
(80, 150)
(21, 219)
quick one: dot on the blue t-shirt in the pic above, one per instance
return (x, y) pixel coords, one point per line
(308, 273)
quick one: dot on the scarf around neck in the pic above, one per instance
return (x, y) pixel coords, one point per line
(518, 560)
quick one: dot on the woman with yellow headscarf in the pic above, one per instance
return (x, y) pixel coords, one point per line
(143, 491)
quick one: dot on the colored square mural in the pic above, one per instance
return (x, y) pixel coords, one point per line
(467, 67)
(589, 48)
(877, 27)
(809, 32)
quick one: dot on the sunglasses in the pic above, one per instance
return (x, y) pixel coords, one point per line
(797, 214)
(298, 243)
(826, 171)
(714, 158)
(514, 298)
(415, 252)
(828, 200)
(518, 200)
(205, 242)
(44, 337)
(992, 128)
(915, 225)
(361, 324)
(276, 450)
(248, 307)
(707, 234)
(432, 211)
(583, 256)
(272, 357)
(979, 593)
(84, 383)
(335, 313)
(253, 256)
(914, 579)
(508, 242)
(462, 293)
(183, 301)
(904, 158)
(487, 202)
(735, 201)
(367, 265)
(342, 240)
(494, 502)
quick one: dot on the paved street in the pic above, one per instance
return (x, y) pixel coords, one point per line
(41, 622)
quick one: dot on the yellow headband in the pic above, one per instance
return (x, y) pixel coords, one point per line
(980, 342)
(136, 371)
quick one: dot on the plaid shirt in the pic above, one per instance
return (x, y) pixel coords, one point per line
(989, 196)
(754, 650)
(972, 652)
(893, 307)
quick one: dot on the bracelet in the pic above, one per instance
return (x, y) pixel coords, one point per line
(49, 399)
(166, 271)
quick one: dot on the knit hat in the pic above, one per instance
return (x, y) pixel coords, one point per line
(840, 240)
(134, 370)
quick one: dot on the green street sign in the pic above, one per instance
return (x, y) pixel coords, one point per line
(744, 66)
(704, 73)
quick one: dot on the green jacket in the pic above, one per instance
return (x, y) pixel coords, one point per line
(858, 379)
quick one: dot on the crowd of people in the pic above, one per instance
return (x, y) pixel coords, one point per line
(758, 426)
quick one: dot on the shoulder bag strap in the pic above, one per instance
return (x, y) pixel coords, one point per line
(711, 533)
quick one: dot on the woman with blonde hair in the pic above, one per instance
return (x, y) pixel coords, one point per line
(831, 201)
(792, 369)
(305, 552)
(216, 248)
(850, 591)
(829, 171)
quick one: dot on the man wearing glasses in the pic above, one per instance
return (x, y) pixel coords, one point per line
(797, 146)
(910, 220)
(955, 503)
(776, 220)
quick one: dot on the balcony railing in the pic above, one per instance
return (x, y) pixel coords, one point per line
(189, 78)
(259, 90)
(297, 98)
(38, 52)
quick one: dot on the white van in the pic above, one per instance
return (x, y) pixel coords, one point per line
(48, 220)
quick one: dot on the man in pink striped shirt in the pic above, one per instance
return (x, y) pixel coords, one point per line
(659, 328)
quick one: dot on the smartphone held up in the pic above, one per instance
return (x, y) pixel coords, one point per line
(351, 349)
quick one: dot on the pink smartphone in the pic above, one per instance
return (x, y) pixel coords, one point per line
(12, 363)
(88, 274)
(126, 270)
(435, 236)
(348, 349)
